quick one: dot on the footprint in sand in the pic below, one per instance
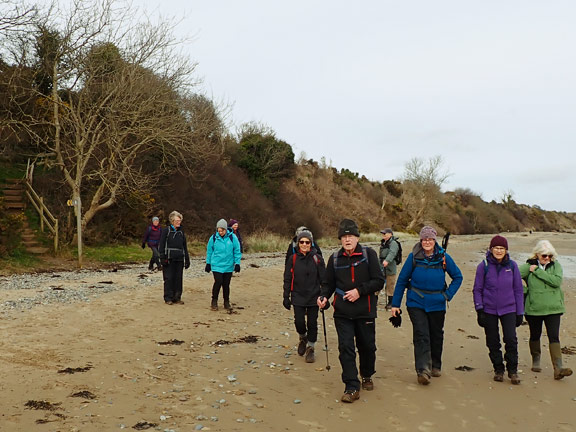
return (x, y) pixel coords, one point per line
(314, 426)
(427, 427)
(439, 406)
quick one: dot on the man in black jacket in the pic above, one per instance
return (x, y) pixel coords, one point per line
(353, 275)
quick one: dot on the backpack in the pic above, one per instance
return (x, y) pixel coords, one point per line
(364, 258)
(398, 257)
(214, 240)
(316, 261)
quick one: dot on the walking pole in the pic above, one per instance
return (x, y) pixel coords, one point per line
(325, 340)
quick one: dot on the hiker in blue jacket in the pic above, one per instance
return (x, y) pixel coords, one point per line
(152, 238)
(424, 276)
(222, 258)
(499, 297)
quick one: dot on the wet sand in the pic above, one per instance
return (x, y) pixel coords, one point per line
(237, 385)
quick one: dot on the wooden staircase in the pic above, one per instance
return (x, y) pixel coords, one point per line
(15, 202)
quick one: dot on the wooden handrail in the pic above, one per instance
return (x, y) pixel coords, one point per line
(38, 202)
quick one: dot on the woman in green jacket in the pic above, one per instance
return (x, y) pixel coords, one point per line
(544, 304)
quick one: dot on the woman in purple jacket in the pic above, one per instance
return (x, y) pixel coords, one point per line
(499, 297)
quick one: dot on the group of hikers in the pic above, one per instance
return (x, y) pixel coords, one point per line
(351, 282)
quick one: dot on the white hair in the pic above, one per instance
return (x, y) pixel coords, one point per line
(544, 247)
(173, 215)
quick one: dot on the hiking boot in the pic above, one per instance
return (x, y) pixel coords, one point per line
(214, 305)
(302, 346)
(159, 268)
(423, 378)
(367, 384)
(310, 355)
(179, 302)
(499, 376)
(350, 396)
(514, 379)
(150, 267)
(436, 372)
(227, 305)
(169, 303)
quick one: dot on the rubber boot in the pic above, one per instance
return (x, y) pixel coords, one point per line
(535, 352)
(556, 355)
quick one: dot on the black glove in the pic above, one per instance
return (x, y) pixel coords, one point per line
(481, 317)
(208, 268)
(519, 319)
(396, 321)
(287, 303)
(236, 268)
(143, 245)
(187, 264)
(165, 263)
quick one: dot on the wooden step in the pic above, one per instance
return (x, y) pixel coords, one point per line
(13, 198)
(14, 205)
(37, 250)
(13, 192)
(14, 180)
(18, 187)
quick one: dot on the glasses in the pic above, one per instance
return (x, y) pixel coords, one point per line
(546, 256)
(304, 242)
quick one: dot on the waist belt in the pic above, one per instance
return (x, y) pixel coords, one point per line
(421, 292)
(341, 293)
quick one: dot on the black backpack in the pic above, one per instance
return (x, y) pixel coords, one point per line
(398, 257)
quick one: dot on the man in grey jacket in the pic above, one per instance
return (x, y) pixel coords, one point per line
(388, 251)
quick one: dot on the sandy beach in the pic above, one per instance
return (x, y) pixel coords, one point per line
(125, 360)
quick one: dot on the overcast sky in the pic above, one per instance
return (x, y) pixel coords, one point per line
(490, 85)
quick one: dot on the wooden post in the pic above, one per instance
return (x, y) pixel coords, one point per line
(78, 207)
(56, 236)
(42, 214)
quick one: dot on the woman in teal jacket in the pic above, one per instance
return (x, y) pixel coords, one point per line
(222, 258)
(424, 275)
(544, 304)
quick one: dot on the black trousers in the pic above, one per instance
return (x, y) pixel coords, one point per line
(352, 334)
(509, 338)
(306, 321)
(155, 258)
(552, 323)
(221, 280)
(172, 274)
(428, 338)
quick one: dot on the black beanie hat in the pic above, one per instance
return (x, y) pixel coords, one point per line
(348, 226)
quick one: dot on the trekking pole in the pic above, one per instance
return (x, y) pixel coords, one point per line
(325, 340)
(445, 240)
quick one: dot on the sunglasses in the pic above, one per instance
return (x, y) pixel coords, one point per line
(546, 256)
(304, 242)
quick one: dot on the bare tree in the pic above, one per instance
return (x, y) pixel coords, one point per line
(114, 102)
(15, 15)
(422, 182)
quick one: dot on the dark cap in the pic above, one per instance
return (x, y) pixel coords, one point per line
(348, 227)
(387, 231)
